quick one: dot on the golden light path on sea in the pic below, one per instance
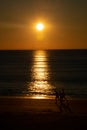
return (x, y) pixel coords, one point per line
(40, 75)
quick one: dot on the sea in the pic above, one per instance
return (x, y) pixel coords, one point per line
(37, 73)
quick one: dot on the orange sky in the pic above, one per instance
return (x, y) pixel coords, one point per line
(66, 24)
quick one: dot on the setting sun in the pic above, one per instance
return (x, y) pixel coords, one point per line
(39, 26)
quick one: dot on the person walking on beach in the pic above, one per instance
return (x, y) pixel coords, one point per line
(63, 102)
(60, 101)
(56, 96)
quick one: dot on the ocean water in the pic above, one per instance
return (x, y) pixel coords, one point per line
(36, 73)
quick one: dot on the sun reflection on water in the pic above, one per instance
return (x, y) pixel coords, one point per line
(40, 75)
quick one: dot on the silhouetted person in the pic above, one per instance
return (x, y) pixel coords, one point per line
(63, 102)
(56, 96)
(62, 95)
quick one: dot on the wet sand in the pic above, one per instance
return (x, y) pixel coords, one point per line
(24, 113)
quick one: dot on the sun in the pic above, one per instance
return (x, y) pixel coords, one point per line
(40, 27)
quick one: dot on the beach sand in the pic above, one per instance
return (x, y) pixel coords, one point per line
(26, 113)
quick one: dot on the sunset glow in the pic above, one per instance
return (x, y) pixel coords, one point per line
(39, 26)
(43, 25)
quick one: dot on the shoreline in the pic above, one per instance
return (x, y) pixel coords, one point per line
(23, 104)
(40, 97)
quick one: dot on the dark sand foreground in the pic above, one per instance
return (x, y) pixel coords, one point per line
(24, 113)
